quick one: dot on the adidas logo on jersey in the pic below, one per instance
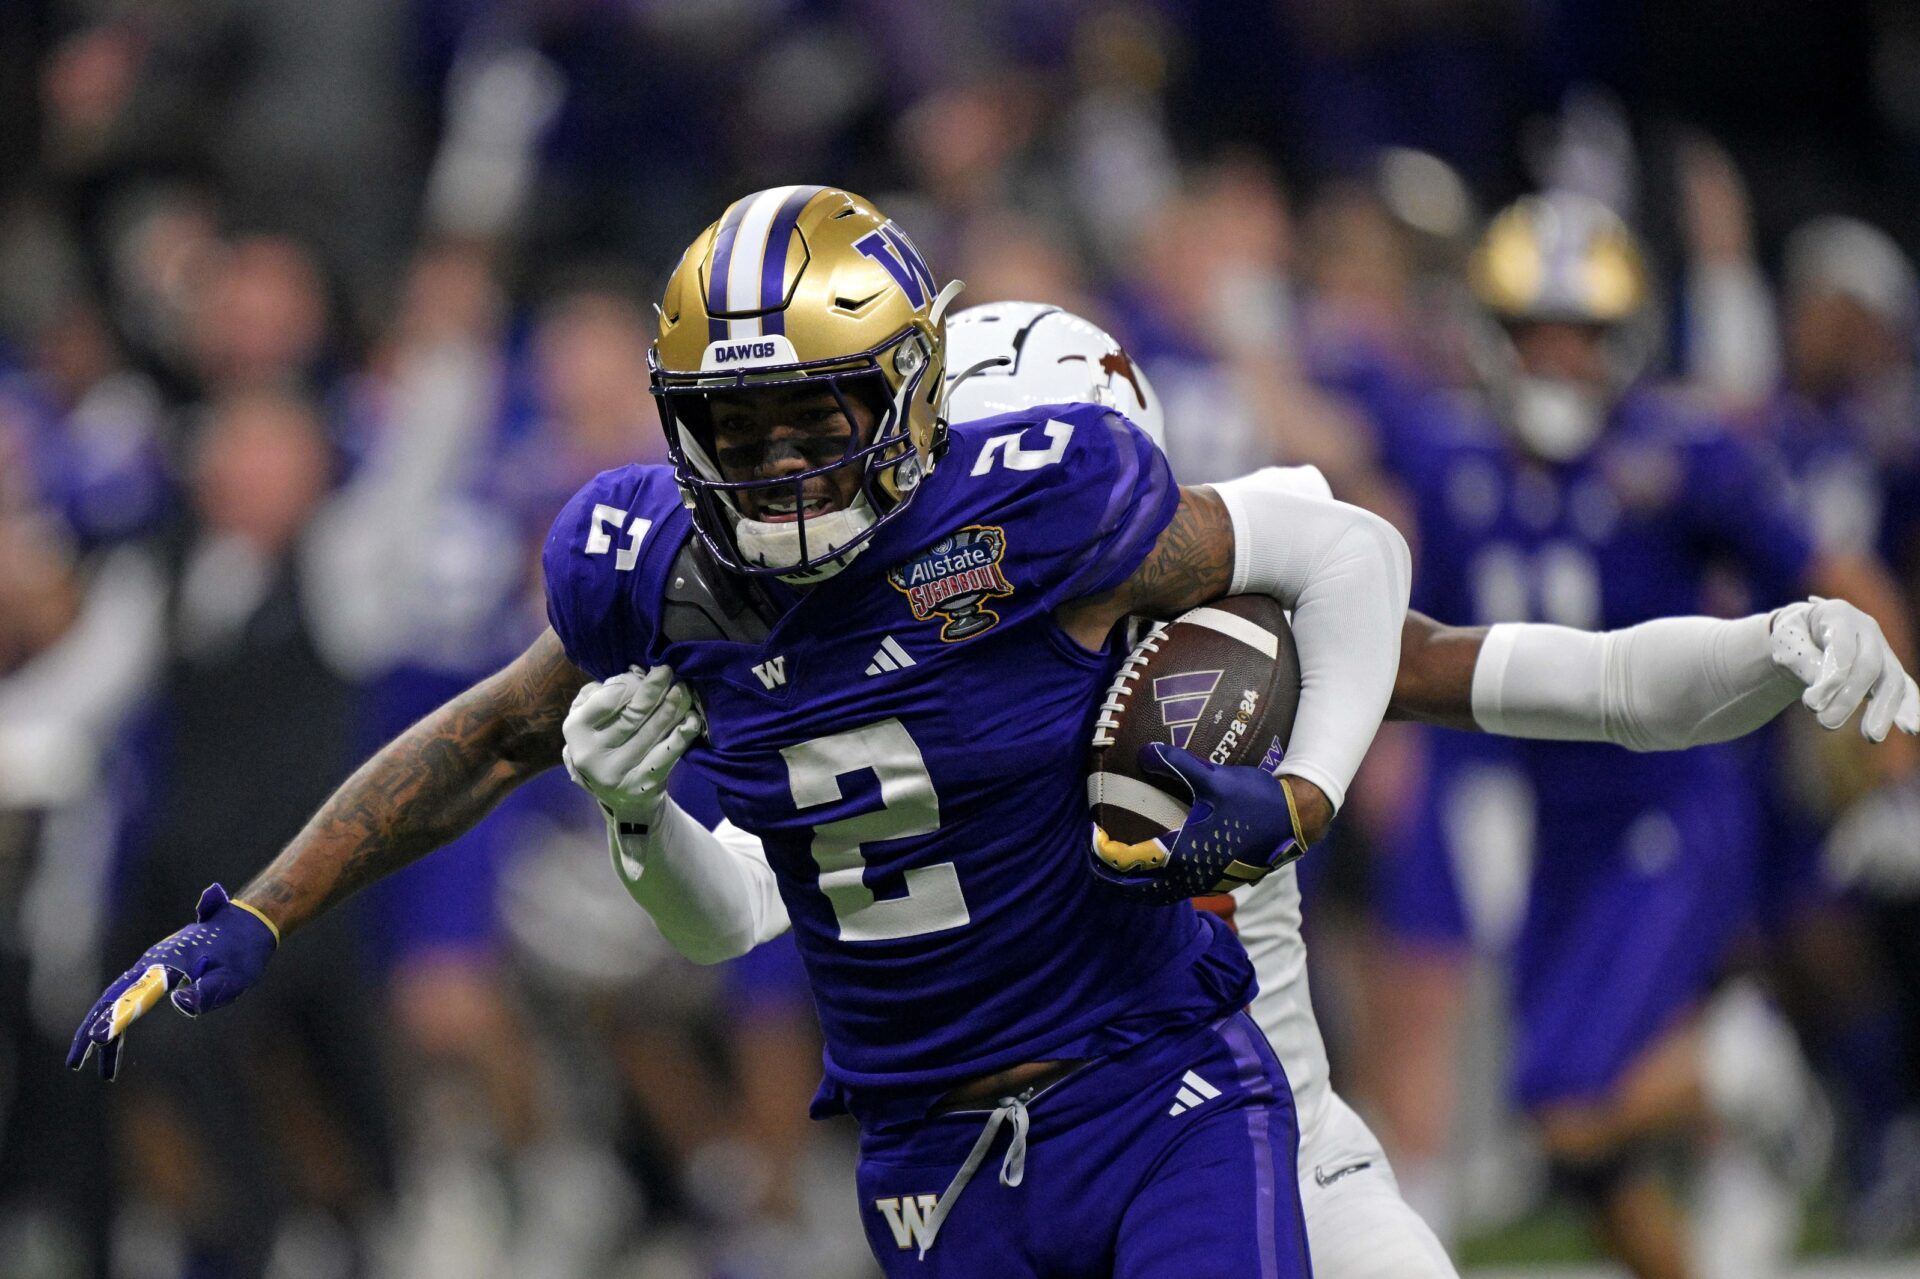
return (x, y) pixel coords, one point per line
(909, 1217)
(890, 657)
(773, 671)
(1194, 1091)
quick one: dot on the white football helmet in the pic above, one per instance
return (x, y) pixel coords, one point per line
(1012, 355)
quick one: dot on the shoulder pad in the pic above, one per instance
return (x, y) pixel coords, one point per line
(705, 602)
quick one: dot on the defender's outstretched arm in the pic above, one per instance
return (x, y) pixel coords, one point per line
(1666, 684)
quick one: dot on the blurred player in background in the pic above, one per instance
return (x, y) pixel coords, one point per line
(1575, 496)
(1826, 376)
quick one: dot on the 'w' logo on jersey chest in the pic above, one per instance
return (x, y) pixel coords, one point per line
(772, 673)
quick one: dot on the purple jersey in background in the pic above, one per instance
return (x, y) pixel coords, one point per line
(1644, 866)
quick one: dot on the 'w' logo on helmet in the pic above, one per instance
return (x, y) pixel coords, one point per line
(1183, 700)
(890, 247)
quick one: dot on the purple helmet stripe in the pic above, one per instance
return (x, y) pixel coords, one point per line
(773, 270)
(722, 260)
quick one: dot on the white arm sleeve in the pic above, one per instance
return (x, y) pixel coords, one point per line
(1345, 573)
(1663, 685)
(710, 891)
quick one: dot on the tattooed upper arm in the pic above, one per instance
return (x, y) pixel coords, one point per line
(1191, 563)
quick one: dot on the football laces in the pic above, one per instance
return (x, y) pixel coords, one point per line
(1115, 705)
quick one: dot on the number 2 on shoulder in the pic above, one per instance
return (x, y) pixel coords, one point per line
(1012, 454)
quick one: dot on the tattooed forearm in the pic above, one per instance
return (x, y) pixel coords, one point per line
(428, 786)
(1190, 564)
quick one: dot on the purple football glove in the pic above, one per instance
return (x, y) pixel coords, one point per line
(207, 965)
(1241, 827)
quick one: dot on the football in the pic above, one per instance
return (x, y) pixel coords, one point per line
(1221, 681)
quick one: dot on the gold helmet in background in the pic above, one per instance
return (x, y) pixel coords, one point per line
(1560, 259)
(797, 286)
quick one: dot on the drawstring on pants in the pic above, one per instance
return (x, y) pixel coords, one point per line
(1012, 1168)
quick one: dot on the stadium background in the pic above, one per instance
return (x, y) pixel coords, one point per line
(311, 315)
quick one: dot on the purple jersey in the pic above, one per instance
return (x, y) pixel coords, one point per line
(1855, 480)
(909, 739)
(1662, 513)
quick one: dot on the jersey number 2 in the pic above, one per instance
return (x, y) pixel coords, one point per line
(1015, 456)
(908, 807)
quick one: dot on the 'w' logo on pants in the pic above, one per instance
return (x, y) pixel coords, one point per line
(907, 1217)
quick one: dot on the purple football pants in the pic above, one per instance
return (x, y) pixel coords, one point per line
(1174, 1160)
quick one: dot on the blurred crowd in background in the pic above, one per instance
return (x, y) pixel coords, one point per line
(313, 314)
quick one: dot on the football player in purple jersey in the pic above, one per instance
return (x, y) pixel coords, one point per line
(896, 633)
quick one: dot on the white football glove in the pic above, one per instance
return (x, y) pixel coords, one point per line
(625, 736)
(1838, 652)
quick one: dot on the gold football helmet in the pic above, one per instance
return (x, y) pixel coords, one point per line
(1560, 259)
(793, 286)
